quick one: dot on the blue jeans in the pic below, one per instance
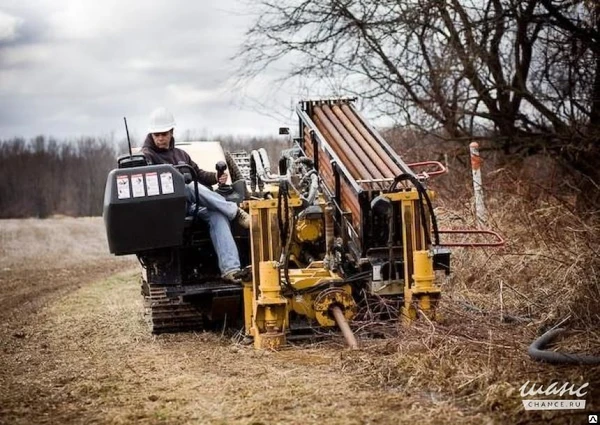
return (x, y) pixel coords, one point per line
(217, 212)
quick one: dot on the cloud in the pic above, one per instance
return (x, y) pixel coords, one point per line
(188, 94)
(76, 67)
(9, 27)
(23, 56)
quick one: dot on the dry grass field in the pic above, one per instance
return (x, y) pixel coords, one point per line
(74, 347)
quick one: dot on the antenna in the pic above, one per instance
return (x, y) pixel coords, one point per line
(128, 140)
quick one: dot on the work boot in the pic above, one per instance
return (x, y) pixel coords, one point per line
(233, 276)
(238, 276)
(245, 274)
(243, 218)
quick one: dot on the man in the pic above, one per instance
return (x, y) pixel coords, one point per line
(159, 148)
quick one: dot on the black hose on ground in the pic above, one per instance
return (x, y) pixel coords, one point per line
(537, 352)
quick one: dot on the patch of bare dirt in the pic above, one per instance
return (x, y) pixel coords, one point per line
(41, 260)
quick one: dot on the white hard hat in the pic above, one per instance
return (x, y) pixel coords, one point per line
(161, 120)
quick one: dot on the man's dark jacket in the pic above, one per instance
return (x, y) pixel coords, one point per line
(175, 156)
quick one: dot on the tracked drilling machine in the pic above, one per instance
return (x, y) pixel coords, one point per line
(341, 220)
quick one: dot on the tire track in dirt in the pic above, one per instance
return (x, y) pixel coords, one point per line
(26, 291)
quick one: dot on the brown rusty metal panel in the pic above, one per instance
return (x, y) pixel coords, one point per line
(350, 203)
(349, 197)
(308, 144)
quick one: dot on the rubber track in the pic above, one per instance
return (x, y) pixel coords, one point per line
(167, 315)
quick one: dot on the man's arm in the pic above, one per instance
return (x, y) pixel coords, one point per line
(207, 178)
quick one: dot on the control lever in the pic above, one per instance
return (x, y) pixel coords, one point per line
(221, 167)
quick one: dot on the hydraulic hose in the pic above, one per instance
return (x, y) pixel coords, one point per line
(422, 195)
(263, 166)
(536, 351)
(264, 157)
(283, 222)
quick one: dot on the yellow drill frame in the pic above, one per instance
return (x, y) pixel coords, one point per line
(266, 309)
(421, 294)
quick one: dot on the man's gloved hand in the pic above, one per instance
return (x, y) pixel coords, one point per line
(223, 178)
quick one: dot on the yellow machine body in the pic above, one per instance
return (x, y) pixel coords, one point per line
(269, 303)
(362, 236)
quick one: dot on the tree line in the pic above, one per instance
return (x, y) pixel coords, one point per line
(44, 176)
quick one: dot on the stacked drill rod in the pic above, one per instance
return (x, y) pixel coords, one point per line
(350, 156)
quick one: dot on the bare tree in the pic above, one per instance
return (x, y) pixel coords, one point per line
(523, 74)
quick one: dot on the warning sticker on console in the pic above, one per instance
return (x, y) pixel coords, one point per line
(137, 185)
(152, 184)
(166, 181)
(123, 187)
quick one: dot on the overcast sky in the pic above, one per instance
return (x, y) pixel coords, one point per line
(75, 67)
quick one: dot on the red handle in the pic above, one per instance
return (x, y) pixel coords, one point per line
(441, 169)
